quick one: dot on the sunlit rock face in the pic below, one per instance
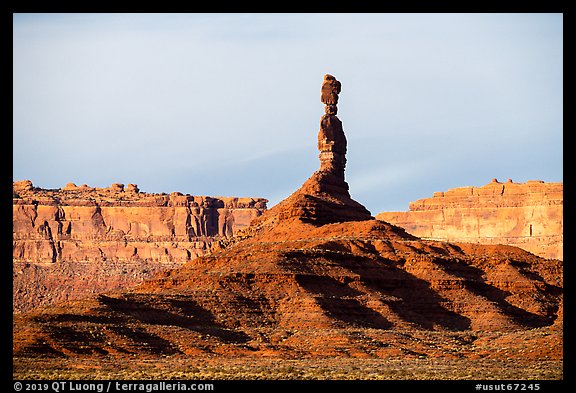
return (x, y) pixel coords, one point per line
(77, 240)
(527, 215)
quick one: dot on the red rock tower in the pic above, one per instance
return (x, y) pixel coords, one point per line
(331, 139)
(324, 197)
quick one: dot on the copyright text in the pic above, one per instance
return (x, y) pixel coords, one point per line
(111, 386)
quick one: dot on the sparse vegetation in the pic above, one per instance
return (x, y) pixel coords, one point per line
(190, 368)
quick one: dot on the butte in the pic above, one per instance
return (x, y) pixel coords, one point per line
(316, 276)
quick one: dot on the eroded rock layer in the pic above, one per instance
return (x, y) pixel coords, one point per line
(527, 215)
(79, 240)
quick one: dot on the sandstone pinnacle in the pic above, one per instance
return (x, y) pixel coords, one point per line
(324, 197)
(331, 138)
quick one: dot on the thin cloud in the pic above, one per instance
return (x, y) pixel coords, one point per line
(153, 97)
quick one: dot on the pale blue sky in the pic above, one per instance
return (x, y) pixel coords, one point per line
(229, 104)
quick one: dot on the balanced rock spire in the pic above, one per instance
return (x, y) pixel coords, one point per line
(324, 197)
(331, 138)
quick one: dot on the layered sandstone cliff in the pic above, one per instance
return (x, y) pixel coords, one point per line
(77, 240)
(527, 215)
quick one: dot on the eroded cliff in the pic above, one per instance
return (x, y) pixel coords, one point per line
(78, 240)
(527, 215)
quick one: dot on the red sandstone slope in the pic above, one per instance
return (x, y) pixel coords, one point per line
(360, 288)
(317, 276)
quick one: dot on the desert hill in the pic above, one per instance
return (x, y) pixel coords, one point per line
(330, 290)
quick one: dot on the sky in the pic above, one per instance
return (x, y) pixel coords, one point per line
(229, 104)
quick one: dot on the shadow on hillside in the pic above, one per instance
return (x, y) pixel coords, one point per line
(410, 297)
(77, 334)
(475, 283)
(338, 301)
(184, 313)
(86, 334)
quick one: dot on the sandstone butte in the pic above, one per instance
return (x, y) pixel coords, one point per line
(527, 215)
(315, 277)
(75, 241)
